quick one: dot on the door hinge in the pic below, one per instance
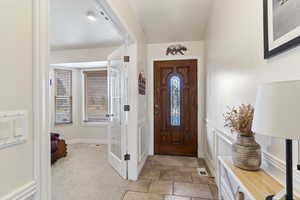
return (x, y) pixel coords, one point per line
(127, 157)
(126, 107)
(126, 58)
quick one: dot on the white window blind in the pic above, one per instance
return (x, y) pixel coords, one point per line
(96, 103)
(63, 96)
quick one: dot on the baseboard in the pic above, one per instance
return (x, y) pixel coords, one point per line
(210, 165)
(86, 141)
(141, 164)
(201, 154)
(25, 192)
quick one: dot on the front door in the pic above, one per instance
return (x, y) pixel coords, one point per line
(175, 107)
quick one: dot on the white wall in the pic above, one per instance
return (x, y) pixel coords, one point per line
(158, 52)
(78, 131)
(235, 67)
(17, 163)
(80, 55)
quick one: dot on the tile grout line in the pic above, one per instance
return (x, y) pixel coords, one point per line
(173, 189)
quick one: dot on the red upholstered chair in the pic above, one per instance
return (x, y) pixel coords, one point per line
(58, 148)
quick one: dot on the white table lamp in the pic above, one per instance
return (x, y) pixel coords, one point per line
(277, 114)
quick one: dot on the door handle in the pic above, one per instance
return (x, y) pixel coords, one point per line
(156, 109)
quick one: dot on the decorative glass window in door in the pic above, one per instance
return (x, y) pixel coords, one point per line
(175, 98)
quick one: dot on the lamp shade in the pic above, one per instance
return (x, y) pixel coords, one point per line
(277, 110)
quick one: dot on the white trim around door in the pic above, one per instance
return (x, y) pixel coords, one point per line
(201, 94)
(41, 49)
(42, 168)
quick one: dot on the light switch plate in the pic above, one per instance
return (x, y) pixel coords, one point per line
(19, 126)
(13, 128)
(5, 129)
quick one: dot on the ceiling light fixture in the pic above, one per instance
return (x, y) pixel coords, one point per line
(91, 16)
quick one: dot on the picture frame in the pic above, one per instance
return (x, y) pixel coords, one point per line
(281, 26)
(142, 84)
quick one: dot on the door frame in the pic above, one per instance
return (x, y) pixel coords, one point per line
(169, 60)
(201, 97)
(40, 80)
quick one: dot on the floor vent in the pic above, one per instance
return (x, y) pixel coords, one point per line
(202, 172)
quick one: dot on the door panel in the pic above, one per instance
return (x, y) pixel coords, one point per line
(175, 109)
(117, 94)
(115, 106)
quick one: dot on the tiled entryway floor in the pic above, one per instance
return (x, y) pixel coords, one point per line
(172, 178)
(85, 174)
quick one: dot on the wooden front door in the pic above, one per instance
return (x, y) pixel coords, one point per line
(175, 107)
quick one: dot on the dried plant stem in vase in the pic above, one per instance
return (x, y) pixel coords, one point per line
(246, 153)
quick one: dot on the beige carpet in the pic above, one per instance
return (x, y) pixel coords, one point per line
(86, 175)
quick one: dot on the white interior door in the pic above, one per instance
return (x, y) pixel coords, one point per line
(117, 130)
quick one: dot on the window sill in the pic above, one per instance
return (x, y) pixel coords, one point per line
(63, 124)
(94, 124)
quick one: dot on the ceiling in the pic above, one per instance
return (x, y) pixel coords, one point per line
(71, 29)
(172, 20)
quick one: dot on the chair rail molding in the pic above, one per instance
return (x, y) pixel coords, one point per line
(274, 166)
(25, 192)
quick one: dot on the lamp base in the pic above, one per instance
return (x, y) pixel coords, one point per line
(273, 197)
(270, 197)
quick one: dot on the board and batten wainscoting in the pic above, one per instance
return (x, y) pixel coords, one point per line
(143, 149)
(218, 143)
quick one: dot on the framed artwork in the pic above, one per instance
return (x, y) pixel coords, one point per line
(175, 50)
(142, 84)
(281, 26)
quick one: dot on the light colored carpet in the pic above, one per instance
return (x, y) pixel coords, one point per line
(86, 175)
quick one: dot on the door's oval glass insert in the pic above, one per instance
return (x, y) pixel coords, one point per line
(175, 98)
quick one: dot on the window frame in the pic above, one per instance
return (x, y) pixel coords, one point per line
(67, 97)
(84, 122)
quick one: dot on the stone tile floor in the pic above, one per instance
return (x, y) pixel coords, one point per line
(86, 174)
(172, 178)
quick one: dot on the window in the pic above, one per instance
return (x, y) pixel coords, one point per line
(96, 103)
(63, 96)
(175, 100)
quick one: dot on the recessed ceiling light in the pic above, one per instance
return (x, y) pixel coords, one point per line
(91, 16)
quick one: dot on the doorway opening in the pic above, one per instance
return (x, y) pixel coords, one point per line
(87, 93)
(175, 107)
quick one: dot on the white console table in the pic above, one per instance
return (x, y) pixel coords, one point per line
(256, 185)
